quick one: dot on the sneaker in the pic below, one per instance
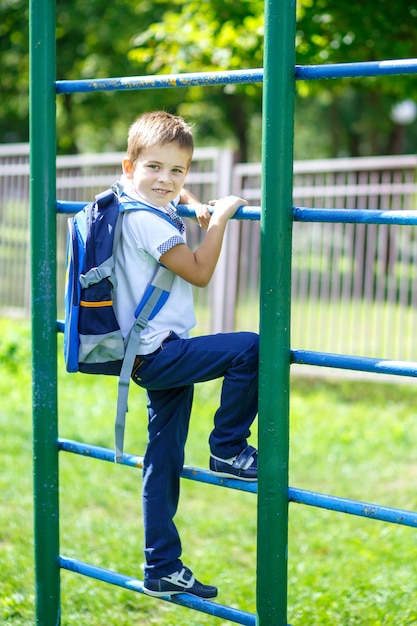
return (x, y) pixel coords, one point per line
(182, 581)
(244, 466)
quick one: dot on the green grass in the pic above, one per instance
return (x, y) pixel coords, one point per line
(354, 439)
(385, 330)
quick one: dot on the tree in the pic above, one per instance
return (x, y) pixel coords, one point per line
(210, 35)
(100, 39)
(14, 105)
(224, 35)
(339, 31)
(93, 40)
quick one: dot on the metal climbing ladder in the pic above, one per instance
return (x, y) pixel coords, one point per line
(277, 216)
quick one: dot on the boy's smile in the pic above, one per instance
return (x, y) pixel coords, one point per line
(158, 174)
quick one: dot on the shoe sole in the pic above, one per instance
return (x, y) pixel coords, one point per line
(160, 594)
(226, 475)
(167, 594)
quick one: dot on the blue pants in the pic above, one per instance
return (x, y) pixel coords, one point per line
(169, 375)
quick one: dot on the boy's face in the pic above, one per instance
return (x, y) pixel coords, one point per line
(158, 174)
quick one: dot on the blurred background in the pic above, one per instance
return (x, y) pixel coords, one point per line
(355, 143)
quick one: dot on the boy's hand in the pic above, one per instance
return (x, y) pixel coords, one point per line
(227, 206)
(203, 215)
(202, 212)
(197, 267)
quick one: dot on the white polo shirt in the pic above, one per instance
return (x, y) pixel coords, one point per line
(145, 237)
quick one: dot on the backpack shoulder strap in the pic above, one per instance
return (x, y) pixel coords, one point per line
(154, 298)
(106, 197)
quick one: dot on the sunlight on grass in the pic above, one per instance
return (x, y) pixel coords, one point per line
(375, 329)
(354, 439)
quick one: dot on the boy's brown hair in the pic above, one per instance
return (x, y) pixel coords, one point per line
(158, 128)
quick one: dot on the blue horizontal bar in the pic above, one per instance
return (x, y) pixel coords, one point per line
(353, 70)
(182, 599)
(133, 460)
(300, 214)
(353, 507)
(357, 363)
(185, 210)
(302, 72)
(68, 206)
(355, 216)
(332, 503)
(243, 213)
(161, 81)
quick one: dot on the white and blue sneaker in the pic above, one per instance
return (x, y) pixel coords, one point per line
(244, 466)
(182, 581)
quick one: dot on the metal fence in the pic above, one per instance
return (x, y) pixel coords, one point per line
(342, 273)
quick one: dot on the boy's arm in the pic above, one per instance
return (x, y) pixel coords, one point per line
(186, 197)
(201, 210)
(197, 267)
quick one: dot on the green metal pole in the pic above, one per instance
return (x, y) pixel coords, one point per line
(44, 338)
(274, 366)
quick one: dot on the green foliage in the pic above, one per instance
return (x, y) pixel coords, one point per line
(340, 32)
(124, 38)
(101, 35)
(15, 346)
(14, 104)
(208, 36)
(349, 438)
(211, 35)
(358, 109)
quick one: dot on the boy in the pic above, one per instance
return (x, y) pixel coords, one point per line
(168, 363)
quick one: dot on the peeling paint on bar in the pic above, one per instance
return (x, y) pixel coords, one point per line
(302, 72)
(299, 496)
(352, 70)
(160, 82)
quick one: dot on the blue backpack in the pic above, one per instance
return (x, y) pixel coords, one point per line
(93, 342)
